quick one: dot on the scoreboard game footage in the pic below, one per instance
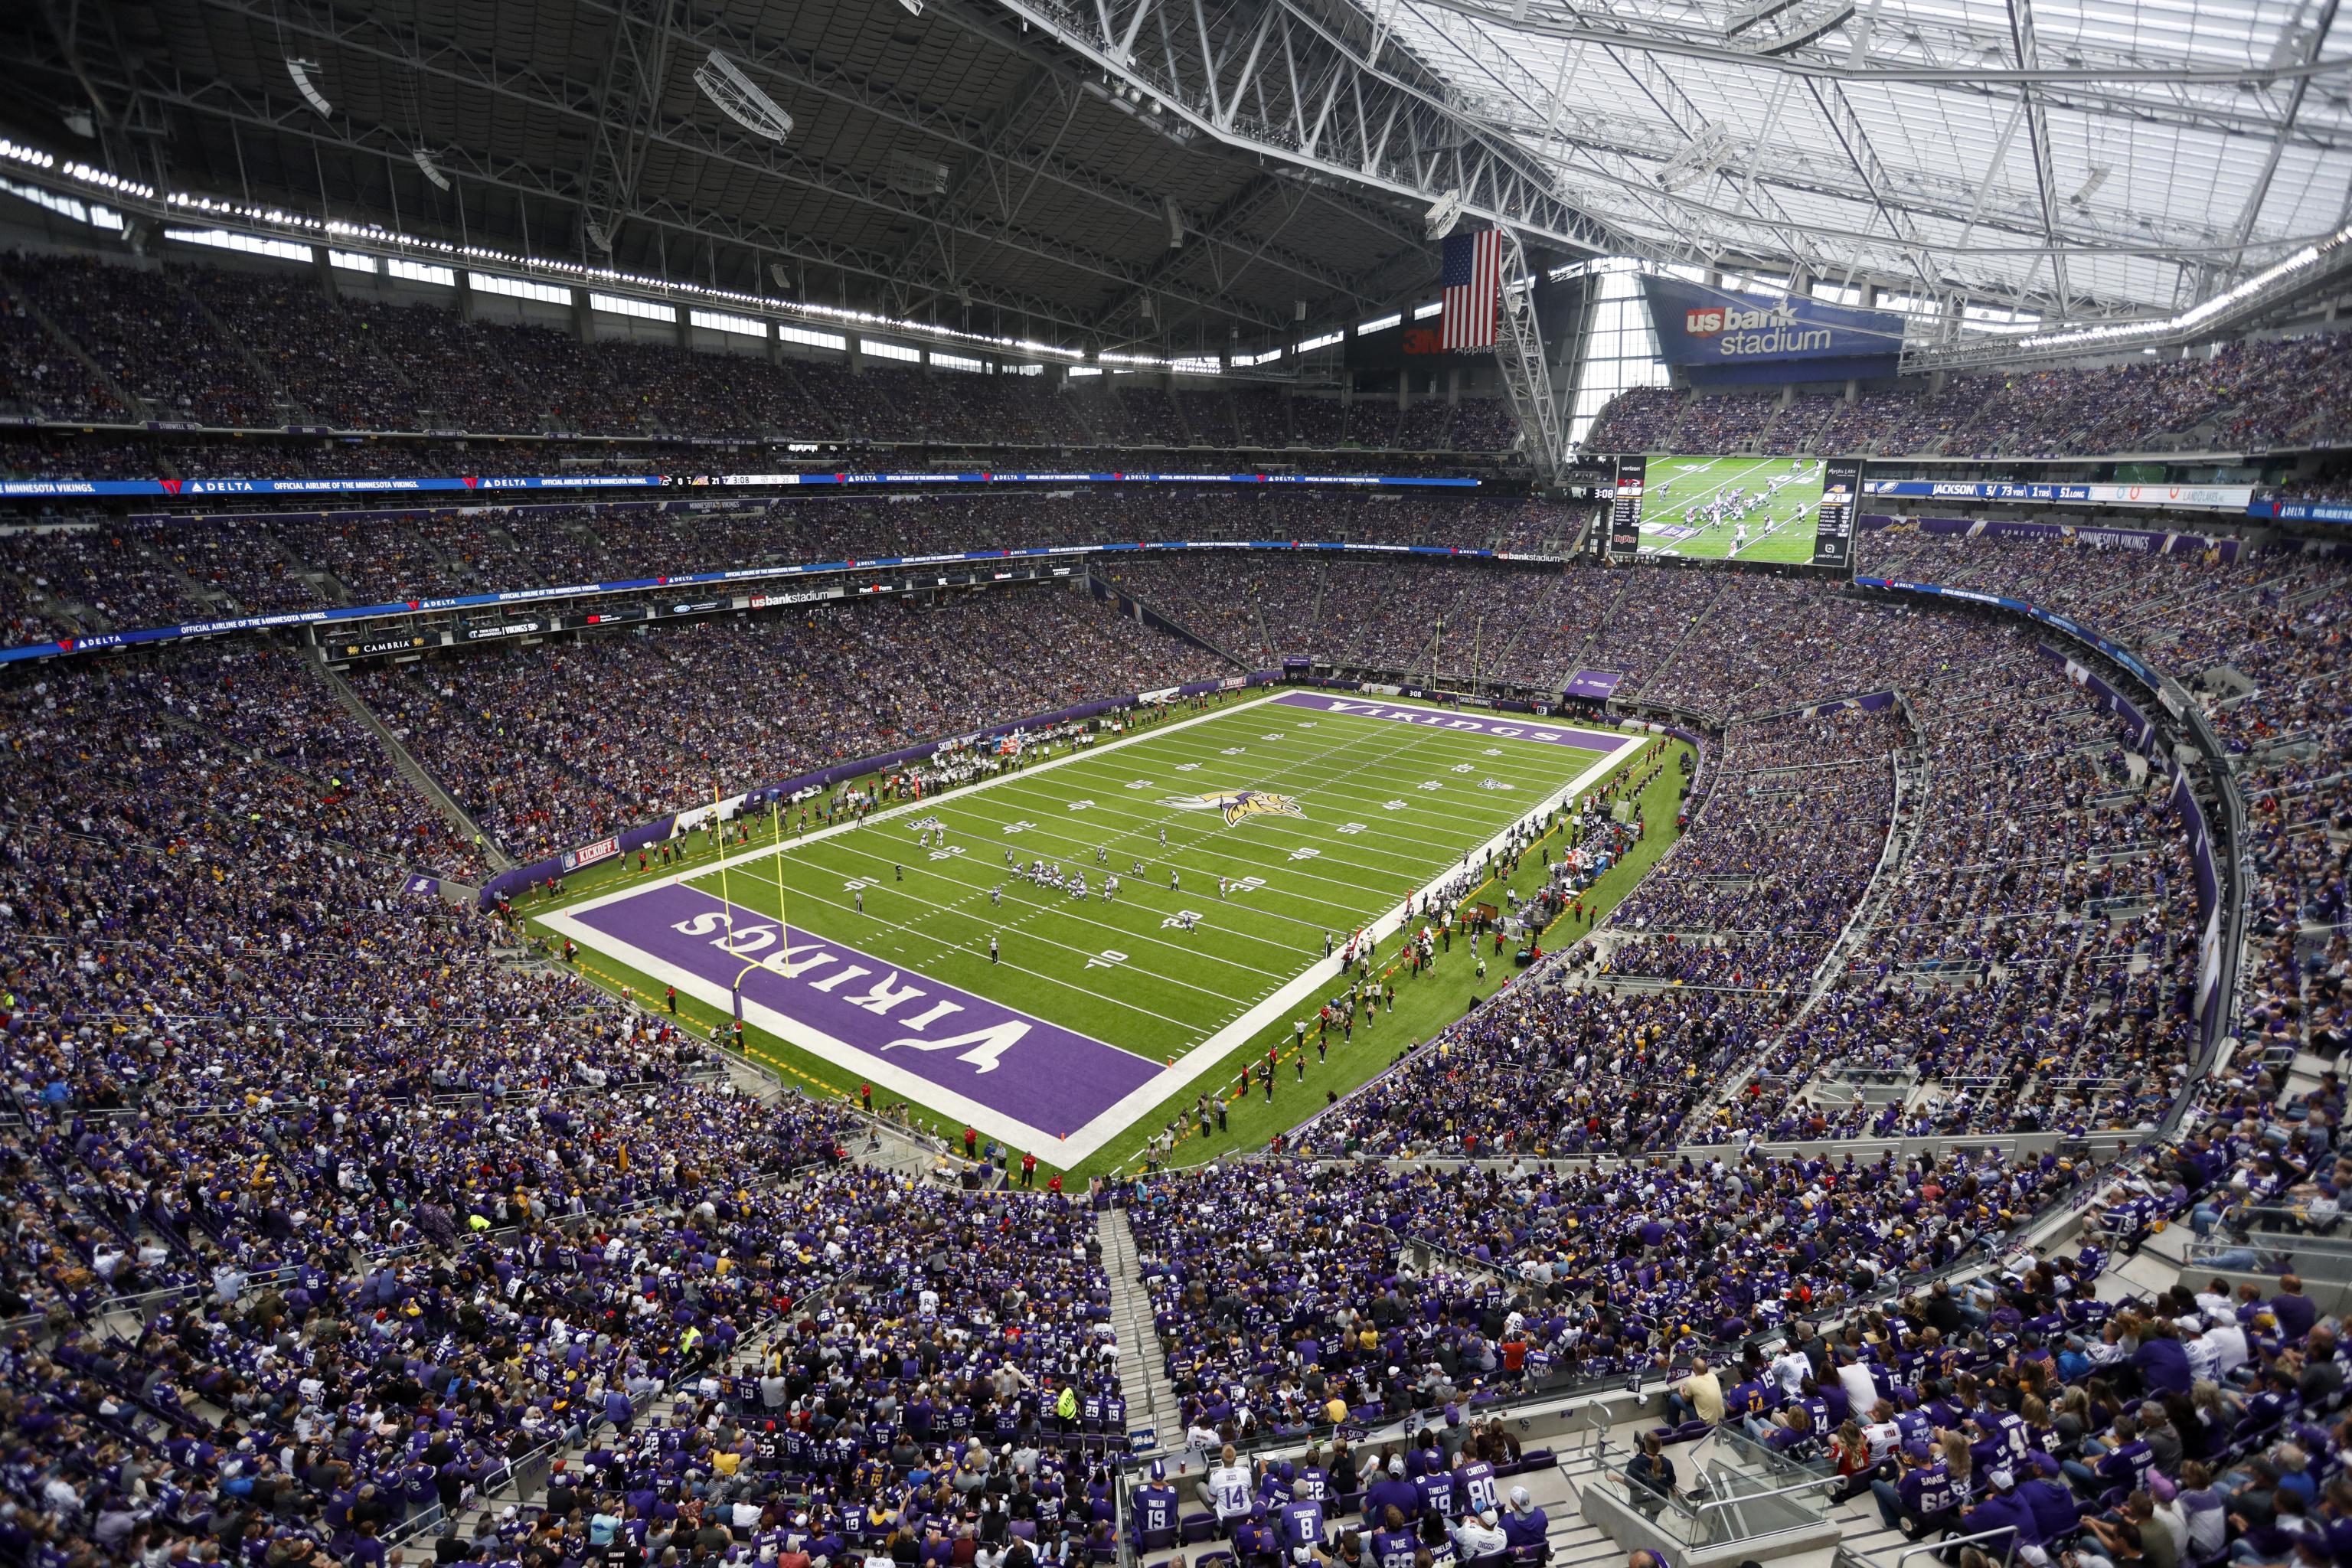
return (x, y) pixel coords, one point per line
(1795, 512)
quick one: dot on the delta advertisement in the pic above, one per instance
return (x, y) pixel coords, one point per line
(1714, 337)
(488, 484)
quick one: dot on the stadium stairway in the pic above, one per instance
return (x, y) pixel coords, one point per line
(413, 771)
(1142, 1370)
(1577, 1542)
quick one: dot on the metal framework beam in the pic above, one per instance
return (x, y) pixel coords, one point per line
(637, 71)
(2252, 212)
(1279, 84)
(216, 101)
(1922, 57)
(1525, 372)
(372, 37)
(994, 164)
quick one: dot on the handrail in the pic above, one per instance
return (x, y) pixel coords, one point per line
(1808, 1484)
(1940, 1547)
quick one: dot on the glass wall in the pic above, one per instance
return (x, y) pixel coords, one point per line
(1619, 349)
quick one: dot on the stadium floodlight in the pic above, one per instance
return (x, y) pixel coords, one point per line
(738, 98)
(1696, 159)
(914, 175)
(1773, 28)
(429, 168)
(301, 71)
(1442, 216)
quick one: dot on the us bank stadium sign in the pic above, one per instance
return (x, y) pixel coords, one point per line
(1712, 335)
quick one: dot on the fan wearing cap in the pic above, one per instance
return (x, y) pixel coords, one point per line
(1525, 1526)
(1435, 1489)
(1156, 1511)
(1924, 1500)
(2004, 1509)
(1255, 1540)
(2056, 1510)
(1477, 1535)
(1392, 1492)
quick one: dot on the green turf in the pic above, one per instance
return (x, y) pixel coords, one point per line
(1673, 486)
(1383, 808)
(1423, 1004)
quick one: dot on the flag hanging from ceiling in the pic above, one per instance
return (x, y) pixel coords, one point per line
(1473, 282)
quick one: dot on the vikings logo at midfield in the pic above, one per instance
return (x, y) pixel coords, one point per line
(1236, 803)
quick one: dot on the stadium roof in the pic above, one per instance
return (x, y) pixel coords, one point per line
(1016, 167)
(2075, 156)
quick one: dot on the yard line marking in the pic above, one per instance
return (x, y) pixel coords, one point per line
(1119, 761)
(981, 951)
(1270, 1009)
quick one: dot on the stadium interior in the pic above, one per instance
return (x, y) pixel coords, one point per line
(1663, 689)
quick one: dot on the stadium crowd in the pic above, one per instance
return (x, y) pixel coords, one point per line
(552, 746)
(2231, 398)
(267, 348)
(421, 1212)
(114, 573)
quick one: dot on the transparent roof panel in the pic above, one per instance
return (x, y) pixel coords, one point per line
(2076, 158)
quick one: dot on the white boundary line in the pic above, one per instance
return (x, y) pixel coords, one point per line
(1122, 1113)
(905, 807)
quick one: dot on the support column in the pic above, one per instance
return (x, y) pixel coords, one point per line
(465, 294)
(584, 323)
(775, 342)
(684, 330)
(1454, 386)
(325, 270)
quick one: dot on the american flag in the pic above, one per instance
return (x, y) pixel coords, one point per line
(1473, 282)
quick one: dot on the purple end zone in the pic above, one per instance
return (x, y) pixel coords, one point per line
(1036, 1072)
(1513, 728)
(1599, 685)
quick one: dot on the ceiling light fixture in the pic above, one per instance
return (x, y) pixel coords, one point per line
(301, 71)
(722, 81)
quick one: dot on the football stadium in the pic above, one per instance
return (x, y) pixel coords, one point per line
(1304, 783)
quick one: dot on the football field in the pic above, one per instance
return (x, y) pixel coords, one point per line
(868, 945)
(1778, 528)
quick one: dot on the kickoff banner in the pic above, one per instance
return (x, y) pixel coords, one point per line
(2194, 498)
(484, 484)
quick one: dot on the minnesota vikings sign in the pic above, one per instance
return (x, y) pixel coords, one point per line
(1237, 804)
